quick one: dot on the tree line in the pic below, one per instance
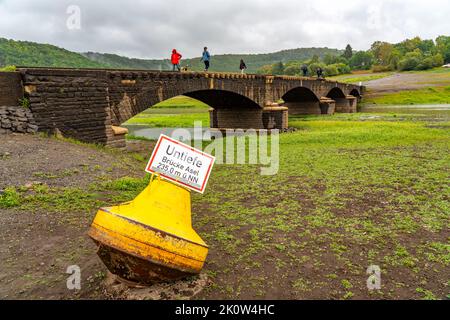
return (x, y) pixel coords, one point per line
(410, 54)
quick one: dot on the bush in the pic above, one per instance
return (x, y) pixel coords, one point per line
(438, 60)
(267, 69)
(409, 63)
(380, 68)
(278, 68)
(425, 64)
(343, 68)
(330, 70)
(292, 70)
(8, 69)
(361, 60)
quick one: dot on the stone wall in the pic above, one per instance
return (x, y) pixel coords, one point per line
(16, 119)
(11, 90)
(239, 118)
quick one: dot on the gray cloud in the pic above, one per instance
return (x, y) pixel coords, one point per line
(150, 29)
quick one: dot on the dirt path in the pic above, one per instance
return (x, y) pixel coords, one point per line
(406, 81)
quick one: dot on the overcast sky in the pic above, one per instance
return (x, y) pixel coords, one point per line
(151, 28)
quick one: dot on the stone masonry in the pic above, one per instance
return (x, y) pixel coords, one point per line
(89, 104)
(16, 119)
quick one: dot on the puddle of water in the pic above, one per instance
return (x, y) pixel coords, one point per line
(433, 112)
(153, 133)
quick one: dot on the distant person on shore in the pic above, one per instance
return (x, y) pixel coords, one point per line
(319, 73)
(304, 69)
(175, 59)
(242, 66)
(206, 57)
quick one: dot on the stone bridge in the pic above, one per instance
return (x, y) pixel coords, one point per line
(88, 104)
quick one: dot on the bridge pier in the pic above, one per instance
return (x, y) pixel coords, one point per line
(234, 118)
(346, 105)
(303, 107)
(116, 136)
(327, 105)
(353, 102)
(271, 117)
(275, 117)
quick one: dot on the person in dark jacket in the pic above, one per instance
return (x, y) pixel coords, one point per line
(304, 69)
(319, 73)
(175, 59)
(242, 66)
(206, 57)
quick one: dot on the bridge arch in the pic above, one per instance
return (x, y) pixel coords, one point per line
(228, 109)
(343, 103)
(355, 93)
(302, 100)
(335, 93)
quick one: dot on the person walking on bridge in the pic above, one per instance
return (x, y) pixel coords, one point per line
(242, 66)
(175, 59)
(319, 72)
(206, 57)
(304, 69)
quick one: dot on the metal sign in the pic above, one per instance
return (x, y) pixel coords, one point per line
(180, 163)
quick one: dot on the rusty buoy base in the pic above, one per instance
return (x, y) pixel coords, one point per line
(150, 239)
(137, 270)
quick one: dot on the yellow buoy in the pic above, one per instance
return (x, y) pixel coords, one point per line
(151, 238)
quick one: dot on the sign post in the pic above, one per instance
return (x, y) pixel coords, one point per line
(180, 163)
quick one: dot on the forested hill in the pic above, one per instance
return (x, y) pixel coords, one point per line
(27, 53)
(223, 62)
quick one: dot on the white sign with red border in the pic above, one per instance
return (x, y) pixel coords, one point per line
(180, 163)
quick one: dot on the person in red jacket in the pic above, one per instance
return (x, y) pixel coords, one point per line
(175, 59)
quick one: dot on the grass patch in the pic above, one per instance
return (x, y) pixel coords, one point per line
(181, 120)
(430, 95)
(133, 137)
(9, 198)
(8, 69)
(181, 102)
(361, 78)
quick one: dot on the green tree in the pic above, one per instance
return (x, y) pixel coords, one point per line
(409, 45)
(292, 69)
(315, 59)
(438, 60)
(348, 52)
(278, 68)
(411, 60)
(361, 60)
(443, 47)
(330, 70)
(266, 69)
(382, 52)
(329, 59)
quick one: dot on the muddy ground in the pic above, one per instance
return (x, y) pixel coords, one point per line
(37, 246)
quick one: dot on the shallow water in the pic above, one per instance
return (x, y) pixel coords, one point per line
(153, 133)
(425, 112)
